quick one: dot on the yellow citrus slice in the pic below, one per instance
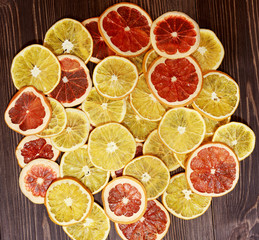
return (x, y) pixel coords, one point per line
(138, 60)
(181, 201)
(238, 136)
(101, 110)
(139, 127)
(75, 133)
(219, 96)
(182, 129)
(149, 57)
(58, 119)
(144, 102)
(36, 66)
(77, 164)
(115, 77)
(182, 158)
(151, 172)
(210, 52)
(213, 125)
(71, 37)
(111, 146)
(68, 202)
(96, 226)
(154, 146)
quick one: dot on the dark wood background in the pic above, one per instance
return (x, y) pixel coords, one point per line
(236, 22)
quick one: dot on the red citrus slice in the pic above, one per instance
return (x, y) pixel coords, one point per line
(28, 112)
(153, 225)
(36, 177)
(100, 48)
(125, 27)
(175, 35)
(175, 82)
(212, 170)
(124, 200)
(33, 147)
(75, 83)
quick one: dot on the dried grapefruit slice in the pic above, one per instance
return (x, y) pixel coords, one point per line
(36, 177)
(33, 147)
(28, 112)
(212, 170)
(124, 200)
(175, 82)
(126, 29)
(153, 225)
(175, 35)
(149, 57)
(75, 83)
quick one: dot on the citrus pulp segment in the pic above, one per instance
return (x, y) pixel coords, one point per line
(149, 57)
(36, 66)
(75, 133)
(68, 201)
(68, 36)
(111, 146)
(138, 60)
(115, 77)
(125, 27)
(28, 112)
(238, 136)
(36, 177)
(212, 170)
(101, 110)
(96, 226)
(153, 225)
(175, 82)
(181, 201)
(78, 165)
(219, 96)
(182, 130)
(124, 200)
(175, 35)
(151, 172)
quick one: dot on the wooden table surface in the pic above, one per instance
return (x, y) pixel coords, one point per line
(236, 23)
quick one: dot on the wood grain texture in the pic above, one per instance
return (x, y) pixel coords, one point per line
(236, 23)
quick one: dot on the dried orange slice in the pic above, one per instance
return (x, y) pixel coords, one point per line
(138, 61)
(124, 200)
(213, 125)
(149, 57)
(212, 170)
(29, 112)
(125, 27)
(175, 35)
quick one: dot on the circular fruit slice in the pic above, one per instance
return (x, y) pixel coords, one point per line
(213, 125)
(33, 147)
(115, 77)
(182, 158)
(68, 36)
(36, 177)
(175, 82)
(28, 112)
(101, 110)
(125, 27)
(144, 103)
(139, 127)
(153, 225)
(219, 96)
(151, 172)
(75, 83)
(238, 136)
(96, 226)
(76, 132)
(124, 200)
(111, 146)
(210, 52)
(68, 202)
(155, 147)
(58, 119)
(212, 170)
(77, 164)
(36, 66)
(150, 56)
(100, 48)
(181, 201)
(175, 35)
(187, 128)
(138, 61)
